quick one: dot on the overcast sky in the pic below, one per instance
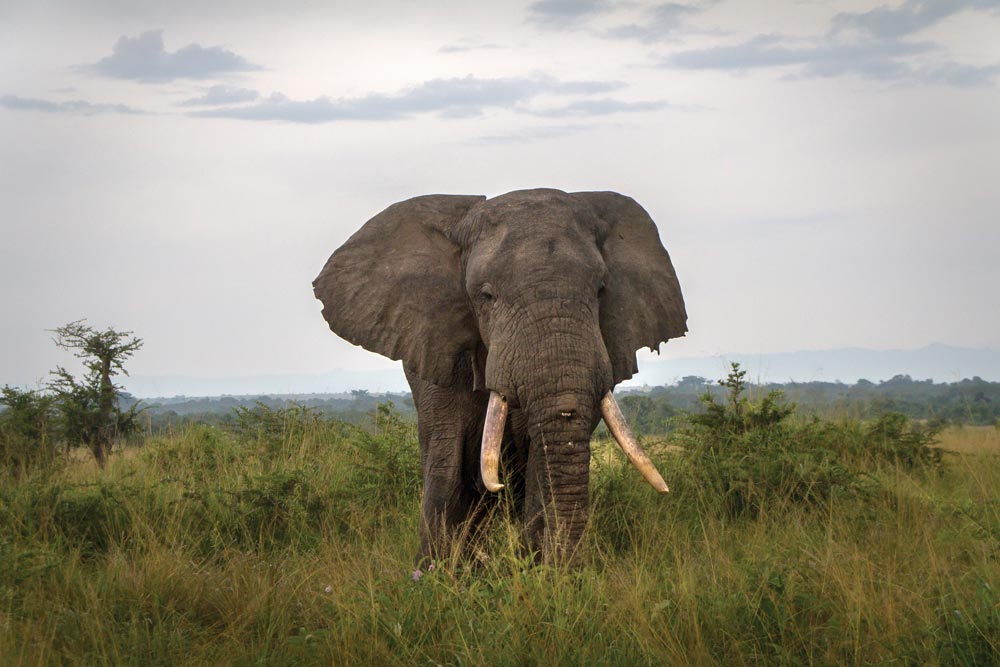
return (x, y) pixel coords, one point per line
(824, 174)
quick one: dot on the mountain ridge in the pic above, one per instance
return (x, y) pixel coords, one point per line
(937, 361)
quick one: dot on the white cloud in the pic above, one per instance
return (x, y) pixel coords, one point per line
(449, 98)
(221, 95)
(145, 59)
(17, 103)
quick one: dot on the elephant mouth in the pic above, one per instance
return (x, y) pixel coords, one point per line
(496, 418)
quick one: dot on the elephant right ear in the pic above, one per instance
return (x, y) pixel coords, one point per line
(395, 287)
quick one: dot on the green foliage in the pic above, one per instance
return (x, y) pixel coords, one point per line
(748, 457)
(90, 408)
(646, 415)
(386, 469)
(968, 626)
(738, 416)
(272, 428)
(25, 426)
(279, 508)
(289, 540)
(894, 438)
(752, 456)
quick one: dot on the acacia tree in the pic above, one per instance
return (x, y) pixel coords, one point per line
(89, 407)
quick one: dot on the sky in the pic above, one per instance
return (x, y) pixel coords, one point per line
(824, 174)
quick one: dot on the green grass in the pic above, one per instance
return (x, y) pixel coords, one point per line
(293, 544)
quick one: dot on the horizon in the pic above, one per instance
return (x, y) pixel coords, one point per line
(937, 362)
(822, 174)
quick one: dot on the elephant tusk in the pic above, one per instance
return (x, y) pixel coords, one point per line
(619, 428)
(489, 461)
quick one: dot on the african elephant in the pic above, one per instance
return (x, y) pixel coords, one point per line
(514, 318)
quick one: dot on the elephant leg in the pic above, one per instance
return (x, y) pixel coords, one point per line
(449, 423)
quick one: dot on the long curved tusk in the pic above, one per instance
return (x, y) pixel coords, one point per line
(619, 428)
(489, 460)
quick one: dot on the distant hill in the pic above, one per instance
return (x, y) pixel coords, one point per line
(941, 363)
(333, 382)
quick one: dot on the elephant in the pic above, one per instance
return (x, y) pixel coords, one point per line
(514, 318)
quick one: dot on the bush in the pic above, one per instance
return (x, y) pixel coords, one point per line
(25, 442)
(894, 438)
(386, 467)
(751, 457)
(279, 508)
(272, 428)
(200, 452)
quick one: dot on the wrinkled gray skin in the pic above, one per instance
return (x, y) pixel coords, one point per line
(540, 295)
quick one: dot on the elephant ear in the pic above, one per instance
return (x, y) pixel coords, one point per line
(395, 287)
(642, 305)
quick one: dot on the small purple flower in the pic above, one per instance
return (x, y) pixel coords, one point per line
(417, 574)
(328, 589)
(430, 568)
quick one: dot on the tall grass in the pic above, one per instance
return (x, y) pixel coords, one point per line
(291, 542)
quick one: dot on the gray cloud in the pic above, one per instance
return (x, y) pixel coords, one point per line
(535, 134)
(465, 46)
(867, 44)
(562, 14)
(145, 59)
(908, 18)
(959, 75)
(221, 95)
(663, 21)
(72, 106)
(449, 98)
(869, 58)
(601, 107)
(885, 60)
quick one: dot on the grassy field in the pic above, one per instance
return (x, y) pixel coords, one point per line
(291, 543)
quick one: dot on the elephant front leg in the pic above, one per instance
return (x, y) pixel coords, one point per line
(446, 503)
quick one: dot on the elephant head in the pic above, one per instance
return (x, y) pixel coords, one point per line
(536, 300)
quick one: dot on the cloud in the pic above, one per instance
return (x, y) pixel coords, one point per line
(449, 98)
(464, 46)
(872, 59)
(221, 95)
(910, 17)
(144, 59)
(959, 75)
(601, 107)
(871, 45)
(662, 22)
(883, 59)
(563, 14)
(72, 106)
(535, 133)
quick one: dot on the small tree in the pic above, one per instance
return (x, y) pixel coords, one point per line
(90, 409)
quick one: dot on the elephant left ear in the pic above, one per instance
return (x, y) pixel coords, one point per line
(642, 304)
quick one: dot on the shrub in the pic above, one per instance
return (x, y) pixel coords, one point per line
(751, 456)
(279, 508)
(25, 442)
(386, 466)
(201, 451)
(272, 428)
(894, 438)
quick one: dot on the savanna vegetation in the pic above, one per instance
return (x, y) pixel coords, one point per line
(652, 410)
(286, 537)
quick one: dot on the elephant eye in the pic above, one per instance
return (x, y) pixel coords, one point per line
(485, 293)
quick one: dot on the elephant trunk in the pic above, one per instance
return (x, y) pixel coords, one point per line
(557, 484)
(496, 417)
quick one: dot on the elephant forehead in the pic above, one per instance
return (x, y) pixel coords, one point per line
(535, 250)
